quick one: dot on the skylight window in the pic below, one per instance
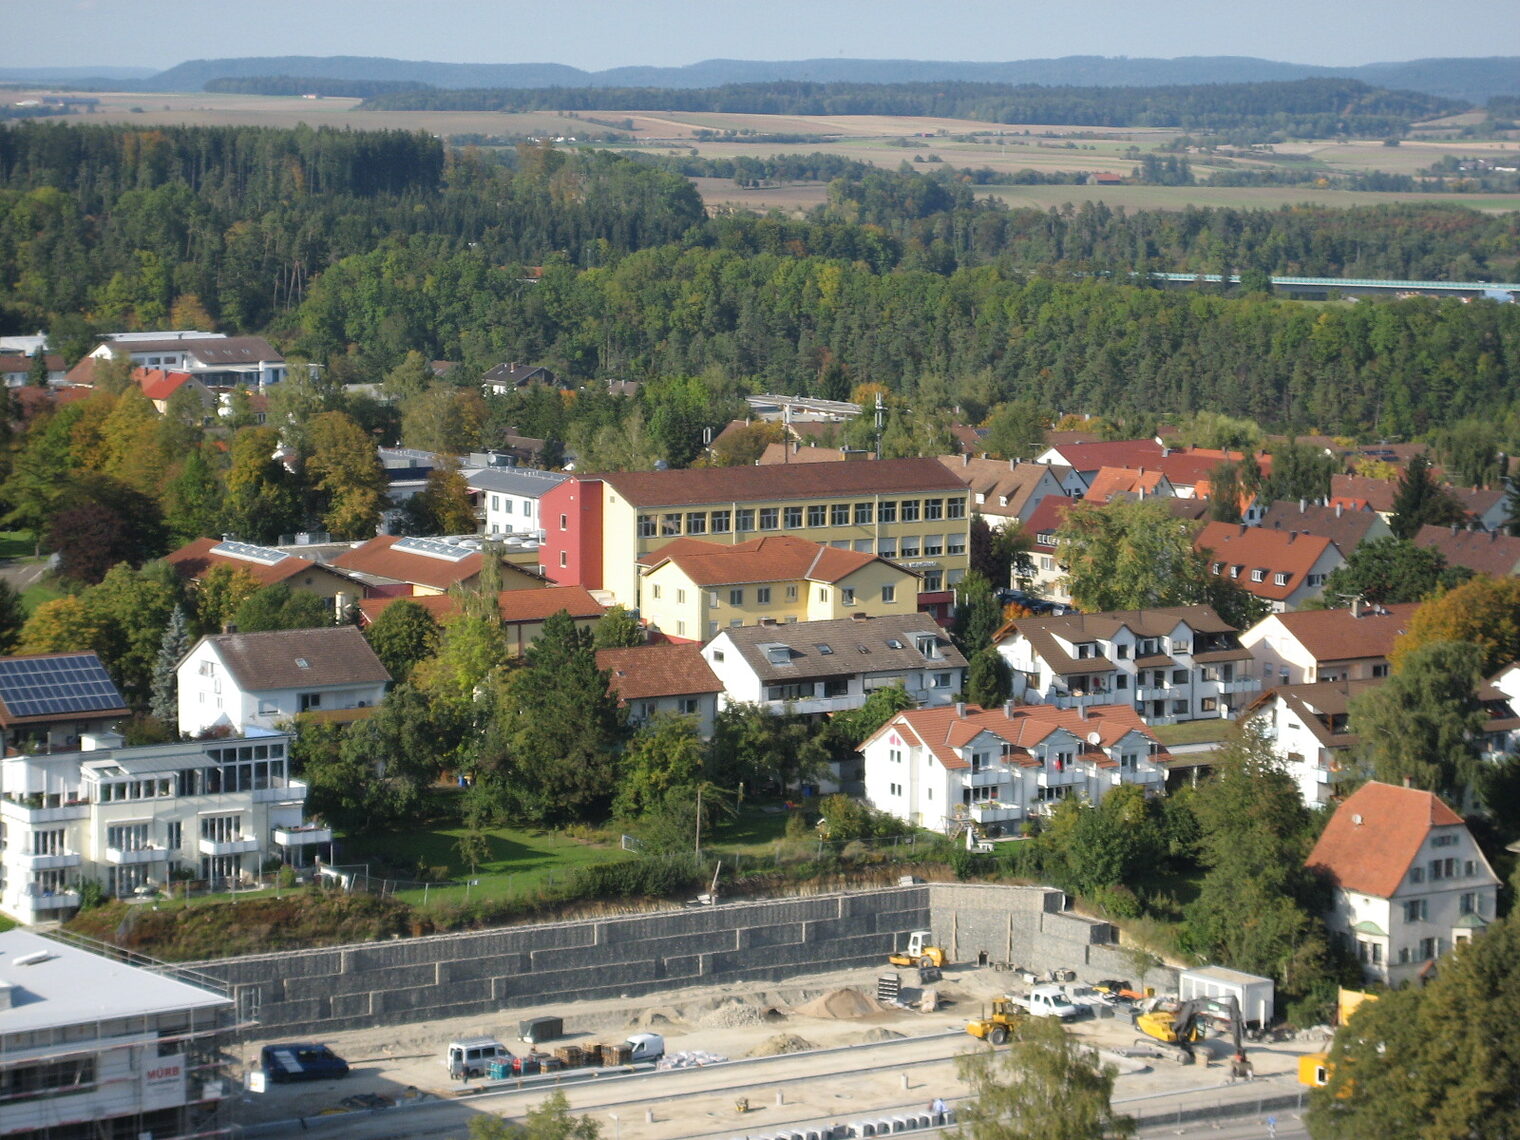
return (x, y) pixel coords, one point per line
(823, 649)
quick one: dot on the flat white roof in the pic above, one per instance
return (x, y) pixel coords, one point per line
(73, 986)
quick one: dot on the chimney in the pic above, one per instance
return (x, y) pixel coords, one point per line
(965, 459)
(1453, 528)
(1008, 708)
(1409, 781)
(1292, 534)
(1303, 505)
(960, 708)
(1339, 507)
(796, 446)
(1082, 711)
(1012, 463)
(1493, 536)
(1166, 452)
(1243, 529)
(1356, 606)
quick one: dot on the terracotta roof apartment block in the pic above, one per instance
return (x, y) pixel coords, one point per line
(1376, 834)
(515, 606)
(266, 564)
(945, 729)
(1347, 527)
(1345, 634)
(647, 672)
(1483, 552)
(298, 658)
(1351, 490)
(770, 559)
(1271, 564)
(427, 562)
(781, 481)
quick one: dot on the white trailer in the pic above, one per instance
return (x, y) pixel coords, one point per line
(1255, 994)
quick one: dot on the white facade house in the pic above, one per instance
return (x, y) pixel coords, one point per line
(663, 680)
(90, 1046)
(209, 357)
(1310, 730)
(828, 666)
(1173, 664)
(508, 497)
(1409, 880)
(264, 680)
(138, 817)
(961, 766)
(1309, 646)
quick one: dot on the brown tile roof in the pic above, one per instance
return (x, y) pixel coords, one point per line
(1086, 457)
(1354, 489)
(1190, 466)
(1323, 706)
(946, 728)
(378, 557)
(1043, 632)
(773, 558)
(782, 481)
(298, 658)
(1252, 548)
(1484, 552)
(1477, 501)
(1005, 487)
(83, 371)
(21, 362)
(194, 559)
(1346, 527)
(515, 606)
(1110, 481)
(648, 671)
(775, 453)
(210, 351)
(1374, 836)
(1335, 635)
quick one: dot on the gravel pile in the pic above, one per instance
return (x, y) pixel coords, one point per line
(735, 1015)
(781, 1043)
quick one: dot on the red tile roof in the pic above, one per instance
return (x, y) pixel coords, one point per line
(1484, 552)
(945, 728)
(1110, 481)
(781, 481)
(516, 607)
(1335, 635)
(1271, 551)
(21, 362)
(1376, 834)
(378, 558)
(648, 671)
(1047, 518)
(774, 558)
(159, 383)
(1086, 457)
(1353, 490)
(195, 558)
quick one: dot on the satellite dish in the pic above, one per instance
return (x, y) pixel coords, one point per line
(1095, 738)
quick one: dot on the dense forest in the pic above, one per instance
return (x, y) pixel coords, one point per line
(1316, 108)
(381, 243)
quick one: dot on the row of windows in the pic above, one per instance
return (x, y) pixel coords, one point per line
(672, 524)
(503, 503)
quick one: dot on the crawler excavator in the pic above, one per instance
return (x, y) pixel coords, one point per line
(1179, 1029)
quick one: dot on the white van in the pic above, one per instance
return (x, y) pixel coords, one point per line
(472, 1057)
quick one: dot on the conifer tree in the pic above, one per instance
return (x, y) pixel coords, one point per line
(164, 704)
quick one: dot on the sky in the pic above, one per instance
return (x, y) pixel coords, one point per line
(597, 34)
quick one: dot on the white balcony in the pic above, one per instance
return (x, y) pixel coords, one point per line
(1050, 778)
(126, 858)
(46, 902)
(238, 846)
(996, 812)
(46, 862)
(301, 836)
(986, 778)
(15, 810)
(1239, 685)
(287, 792)
(817, 704)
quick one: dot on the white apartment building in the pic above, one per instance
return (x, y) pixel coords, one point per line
(212, 358)
(1309, 646)
(1410, 881)
(141, 817)
(264, 680)
(508, 497)
(93, 1047)
(958, 765)
(1173, 664)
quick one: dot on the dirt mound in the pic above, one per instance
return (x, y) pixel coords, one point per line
(841, 1004)
(870, 1036)
(781, 1043)
(660, 1017)
(734, 1015)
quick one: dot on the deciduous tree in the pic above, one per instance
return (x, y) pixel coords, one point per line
(1484, 612)
(618, 628)
(404, 634)
(344, 469)
(1015, 430)
(665, 753)
(1389, 570)
(280, 607)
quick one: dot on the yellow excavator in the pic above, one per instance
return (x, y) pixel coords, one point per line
(1006, 1013)
(1179, 1029)
(920, 952)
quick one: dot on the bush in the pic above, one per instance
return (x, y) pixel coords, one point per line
(91, 894)
(969, 864)
(647, 877)
(1117, 901)
(797, 826)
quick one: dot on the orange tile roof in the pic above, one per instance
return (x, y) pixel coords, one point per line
(378, 558)
(1252, 548)
(644, 672)
(515, 606)
(195, 558)
(1352, 489)
(780, 481)
(1335, 635)
(774, 558)
(945, 728)
(159, 383)
(1110, 481)
(1112, 453)
(1375, 835)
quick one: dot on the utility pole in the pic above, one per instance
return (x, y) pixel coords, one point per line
(699, 823)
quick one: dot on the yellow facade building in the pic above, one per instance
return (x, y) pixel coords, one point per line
(693, 588)
(914, 512)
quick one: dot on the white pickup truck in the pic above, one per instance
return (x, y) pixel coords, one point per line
(1049, 1001)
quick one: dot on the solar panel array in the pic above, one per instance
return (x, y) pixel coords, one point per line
(263, 555)
(40, 686)
(434, 548)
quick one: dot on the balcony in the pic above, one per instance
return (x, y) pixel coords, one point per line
(986, 778)
(1238, 685)
(126, 858)
(47, 901)
(816, 704)
(301, 836)
(31, 810)
(237, 846)
(992, 811)
(1050, 778)
(283, 792)
(46, 862)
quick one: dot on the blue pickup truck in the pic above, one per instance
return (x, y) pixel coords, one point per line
(302, 1063)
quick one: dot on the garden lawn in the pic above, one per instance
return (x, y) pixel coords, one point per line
(755, 830)
(16, 544)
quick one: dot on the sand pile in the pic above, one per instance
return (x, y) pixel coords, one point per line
(841, 1004)
(661, 1018)
(734, 1015)
(781, 1043)
(870, 1036)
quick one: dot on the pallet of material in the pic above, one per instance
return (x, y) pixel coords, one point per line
(614, 1055)
(571, 1056)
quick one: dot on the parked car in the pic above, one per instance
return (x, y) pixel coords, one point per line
(472, 1057)
(302, 1062)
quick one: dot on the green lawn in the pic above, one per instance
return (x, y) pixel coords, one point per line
(44, 591)
(1193, 731)
(7, 924)
(753, 831)
(15, 544)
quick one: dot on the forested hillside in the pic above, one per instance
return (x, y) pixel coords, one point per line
(381, 243)
(1306, 107)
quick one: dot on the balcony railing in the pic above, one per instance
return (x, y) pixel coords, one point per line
(38, 901)
(281, 792)
(1050, 778)
(53, 862)
(127, 857)
(234, 846)
(987, 777)
(993, 811)
(300, 836)
(32, 810)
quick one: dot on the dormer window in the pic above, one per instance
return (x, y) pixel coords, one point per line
(927, 646)
(1280, 578)
(1258, 575)
(1087, 649)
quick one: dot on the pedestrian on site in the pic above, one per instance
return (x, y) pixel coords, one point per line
(937, 1108)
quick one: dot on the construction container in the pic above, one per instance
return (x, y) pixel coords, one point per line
(501, 1070)
(888, 986)
(537, 1029)
(1254, 994)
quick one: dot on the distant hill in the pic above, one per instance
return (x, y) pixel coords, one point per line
(74, 74)
(1472, 80)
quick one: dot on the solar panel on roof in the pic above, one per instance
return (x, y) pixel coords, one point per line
(39, 686)
(263, 555)
(434, 548)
